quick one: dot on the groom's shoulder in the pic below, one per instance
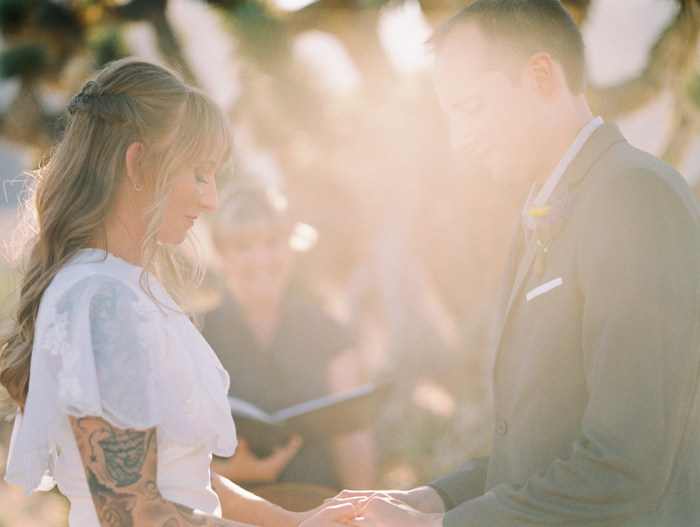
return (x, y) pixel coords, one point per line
(625, 167)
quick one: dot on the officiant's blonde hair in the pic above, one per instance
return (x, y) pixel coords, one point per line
(128, 101)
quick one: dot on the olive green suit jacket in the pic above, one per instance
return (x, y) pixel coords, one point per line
(597, 368)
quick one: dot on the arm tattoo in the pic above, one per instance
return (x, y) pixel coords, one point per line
(124, 452)
(124, 455)
(112, 508)
(120, 466)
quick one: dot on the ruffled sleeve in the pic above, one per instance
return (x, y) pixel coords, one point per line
(101, 348)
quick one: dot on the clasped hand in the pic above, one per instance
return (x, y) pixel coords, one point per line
(372, 509)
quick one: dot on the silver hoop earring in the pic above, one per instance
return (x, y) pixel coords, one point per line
(137, 188)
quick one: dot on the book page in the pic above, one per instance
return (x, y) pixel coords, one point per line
(242, 408)
(322, 402)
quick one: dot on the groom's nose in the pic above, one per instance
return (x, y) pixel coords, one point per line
(462, 134)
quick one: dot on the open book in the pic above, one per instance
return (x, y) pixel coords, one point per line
(321, 418)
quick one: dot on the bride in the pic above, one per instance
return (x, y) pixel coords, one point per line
(121, 402)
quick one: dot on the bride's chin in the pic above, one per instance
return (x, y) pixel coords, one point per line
(171, 239)
(171, 243)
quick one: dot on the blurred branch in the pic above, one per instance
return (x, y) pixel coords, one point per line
(686, 123)
(40, 39)
(579, 10)
(278, 97)
(668, 66)
(357, 30)
(154, 12)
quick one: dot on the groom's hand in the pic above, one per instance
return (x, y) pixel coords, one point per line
(422, 499)
(384, 511)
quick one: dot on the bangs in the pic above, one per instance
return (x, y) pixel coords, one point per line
(205, 133)
(203, 136)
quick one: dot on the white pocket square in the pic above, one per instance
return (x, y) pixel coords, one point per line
(541, 289)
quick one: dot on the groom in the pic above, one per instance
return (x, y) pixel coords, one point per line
(597, 368)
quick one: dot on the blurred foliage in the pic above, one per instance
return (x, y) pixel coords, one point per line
(13, 15)
(27, 60)
(109, 44)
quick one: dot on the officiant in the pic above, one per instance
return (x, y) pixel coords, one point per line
(279, 350)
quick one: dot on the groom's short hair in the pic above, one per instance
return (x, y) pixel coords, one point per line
(517, 29)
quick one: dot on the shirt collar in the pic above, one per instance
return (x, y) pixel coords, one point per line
(539, 194)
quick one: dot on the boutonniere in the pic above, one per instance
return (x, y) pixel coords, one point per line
(548, 222)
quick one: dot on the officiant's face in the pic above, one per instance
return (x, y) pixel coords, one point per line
(258, 262)
(493, 116)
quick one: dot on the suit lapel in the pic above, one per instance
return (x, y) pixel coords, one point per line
(523, 271)
(600, 140)
(605, 136)
(513, 265)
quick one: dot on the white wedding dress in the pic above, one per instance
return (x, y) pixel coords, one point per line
(103, 347)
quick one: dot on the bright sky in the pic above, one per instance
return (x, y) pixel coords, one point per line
(292, 5)
(618, 35)
(403, 31)
(327, 60)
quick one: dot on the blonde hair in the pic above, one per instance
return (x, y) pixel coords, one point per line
(128, 101)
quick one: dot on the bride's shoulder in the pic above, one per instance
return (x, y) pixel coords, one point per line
(89, 277)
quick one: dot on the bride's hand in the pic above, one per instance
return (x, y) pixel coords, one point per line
(331, 516)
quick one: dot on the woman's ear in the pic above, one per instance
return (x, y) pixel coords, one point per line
(134, 158)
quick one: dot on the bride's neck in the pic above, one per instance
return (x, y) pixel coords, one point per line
(124, 231)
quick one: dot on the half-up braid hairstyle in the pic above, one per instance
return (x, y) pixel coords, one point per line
(73, 193)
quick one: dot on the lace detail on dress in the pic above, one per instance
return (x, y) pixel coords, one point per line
(56, 343)
(145, 333)
(192, 406)
(103, 347)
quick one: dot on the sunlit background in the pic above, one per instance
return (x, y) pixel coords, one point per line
(331, 101)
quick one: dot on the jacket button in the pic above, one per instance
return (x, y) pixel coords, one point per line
(501, 428)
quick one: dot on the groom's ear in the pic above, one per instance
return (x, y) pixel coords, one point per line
(542, 72)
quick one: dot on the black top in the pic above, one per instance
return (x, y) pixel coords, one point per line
(292, 371)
